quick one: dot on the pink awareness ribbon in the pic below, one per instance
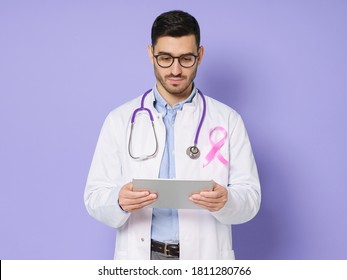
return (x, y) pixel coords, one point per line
(216, 147)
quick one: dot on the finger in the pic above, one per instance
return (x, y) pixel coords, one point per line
(134, 203)
(212, 204)
(138, 200)
(208, 205)
(218, 192)
(211, 199)
(212, 194)
(136, 194)
(136, 206)
(128, 192)
(143, 204)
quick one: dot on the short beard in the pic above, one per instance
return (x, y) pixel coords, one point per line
(173, 91)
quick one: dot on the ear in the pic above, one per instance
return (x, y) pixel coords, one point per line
(150, 53)
(201, 54)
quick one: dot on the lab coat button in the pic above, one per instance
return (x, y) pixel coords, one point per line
(142, 239)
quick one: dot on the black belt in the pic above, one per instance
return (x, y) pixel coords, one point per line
(172, 250)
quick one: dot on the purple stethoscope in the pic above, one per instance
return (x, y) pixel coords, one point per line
(193, 151)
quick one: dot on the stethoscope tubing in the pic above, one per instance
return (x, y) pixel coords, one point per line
(142, 108)
(202, 118)
(190, 152)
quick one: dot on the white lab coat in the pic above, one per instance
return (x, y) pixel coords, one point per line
(202, 234)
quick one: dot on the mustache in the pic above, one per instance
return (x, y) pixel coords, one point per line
(175, 76)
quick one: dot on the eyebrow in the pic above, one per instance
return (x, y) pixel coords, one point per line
(190, 53)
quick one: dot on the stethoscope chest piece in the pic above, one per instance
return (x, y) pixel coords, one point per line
(193, 152)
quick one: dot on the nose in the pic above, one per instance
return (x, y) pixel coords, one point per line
(176, 68)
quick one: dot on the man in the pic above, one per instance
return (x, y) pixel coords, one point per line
(180, 113)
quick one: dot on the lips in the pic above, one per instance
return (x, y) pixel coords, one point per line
(175, 79)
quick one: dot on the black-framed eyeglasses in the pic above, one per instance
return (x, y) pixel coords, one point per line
(185, 60)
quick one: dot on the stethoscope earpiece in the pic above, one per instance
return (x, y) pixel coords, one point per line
(193, 152)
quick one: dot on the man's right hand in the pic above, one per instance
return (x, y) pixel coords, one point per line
(131, 201)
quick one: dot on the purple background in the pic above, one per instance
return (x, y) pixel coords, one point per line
(65, 64)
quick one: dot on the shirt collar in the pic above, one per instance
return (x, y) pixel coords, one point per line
(162, 106)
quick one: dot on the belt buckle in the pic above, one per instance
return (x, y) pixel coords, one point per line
(166, 251)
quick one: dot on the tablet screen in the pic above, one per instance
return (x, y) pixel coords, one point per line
(173, 193)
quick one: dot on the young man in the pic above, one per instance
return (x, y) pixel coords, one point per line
(193, 137)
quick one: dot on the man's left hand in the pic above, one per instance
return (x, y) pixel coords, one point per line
(211, 200)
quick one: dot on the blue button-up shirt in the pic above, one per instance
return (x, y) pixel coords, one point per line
(165, 220)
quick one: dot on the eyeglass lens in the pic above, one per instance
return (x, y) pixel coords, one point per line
(166, 60)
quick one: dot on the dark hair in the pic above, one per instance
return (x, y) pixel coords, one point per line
(175, 24)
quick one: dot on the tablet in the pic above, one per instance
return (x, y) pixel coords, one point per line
(173, 193)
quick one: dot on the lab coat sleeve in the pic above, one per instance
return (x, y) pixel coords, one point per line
(244, 193)
(104, 179)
